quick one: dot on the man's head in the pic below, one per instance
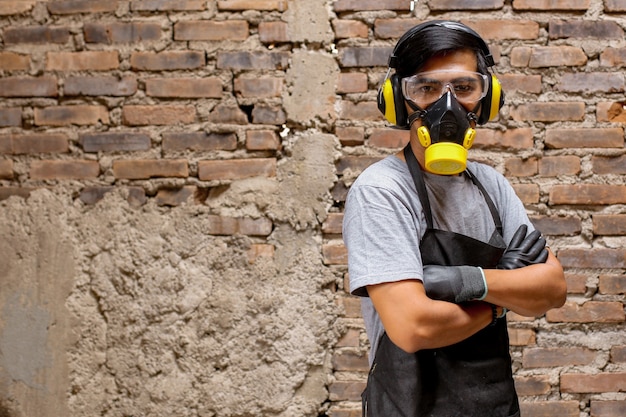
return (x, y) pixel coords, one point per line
(442, 87)
(416, 48)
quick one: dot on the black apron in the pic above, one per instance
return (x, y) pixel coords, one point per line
(472, 378)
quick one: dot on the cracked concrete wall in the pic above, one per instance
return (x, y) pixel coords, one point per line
(115, 311)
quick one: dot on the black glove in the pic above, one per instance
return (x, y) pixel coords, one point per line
(455, 284)
(524, 250)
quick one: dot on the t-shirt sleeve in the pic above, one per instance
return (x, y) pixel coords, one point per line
(382, 238)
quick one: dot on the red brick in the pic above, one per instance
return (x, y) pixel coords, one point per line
(255, 60)
(11, 61)
(6, 169)
(388, 138)
(350, 29)
(199, 141)
(576, 283)
(586, 29)
(100, 86)
(550, 408)
(593, 82)
(618, 354)
(174, 196)
(81, 115)
(11, 116)
(364, 56)
(258, 87)
(585, 138)
(28, 87)
(551, 5)
(363, 5)
(607, 408)
(64, 170)
(465, 5)
(206, 30)
(553, 166)
(593, 258)
(8, 7)
(351, 338)
(513, 83)
(609, 164)
(167, 5)
(556, 225)
(245, 226)
(81, 6)
(335, 411)
(346, 390)
(532, 385)
(521, 138)
(278, 5)
(223, 113)
(612, 284)
(262, 140)
(158, 115)
(528, 193)
(611, 112)
(37, 35)
(118, 32)
(591, 194)
(393, 28)
(598, 383)
(609, 224)
(210, 87)
(272, 32)
(504, 29)
(557, 357)
(167, 61)
(615, 6)
(269, 115)
(114, 142)
(350, 135)
(549, 112)
(333, 223)
(136, 169)
(547, 56)
(236, 169)
(589, 312)
(350, 361)
(613, 57)
(351, 306)
(517, 167)
(351, 82)
(82, 61)
(334, 254)
(365, 110)
(91, 195)
(33, 143)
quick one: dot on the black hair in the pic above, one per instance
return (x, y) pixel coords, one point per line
(419, 45)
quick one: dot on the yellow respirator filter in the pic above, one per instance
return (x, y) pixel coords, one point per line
(446, 158)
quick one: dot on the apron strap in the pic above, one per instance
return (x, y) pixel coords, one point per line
(420, 186)
(489, 201)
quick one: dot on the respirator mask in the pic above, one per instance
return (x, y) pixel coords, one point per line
(441, 100)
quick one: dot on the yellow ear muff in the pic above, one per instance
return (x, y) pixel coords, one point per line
(424, 136)
(496, 95)
(389, 100)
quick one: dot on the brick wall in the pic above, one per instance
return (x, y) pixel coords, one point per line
(173, 98)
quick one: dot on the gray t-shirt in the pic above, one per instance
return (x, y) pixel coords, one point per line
(384, 222)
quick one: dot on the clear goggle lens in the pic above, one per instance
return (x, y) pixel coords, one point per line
(425, 88)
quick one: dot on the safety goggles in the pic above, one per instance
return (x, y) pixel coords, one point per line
(425, 88)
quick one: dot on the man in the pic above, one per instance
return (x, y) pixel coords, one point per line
(440, 247)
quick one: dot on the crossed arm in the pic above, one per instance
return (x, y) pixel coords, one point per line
(413, 321)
